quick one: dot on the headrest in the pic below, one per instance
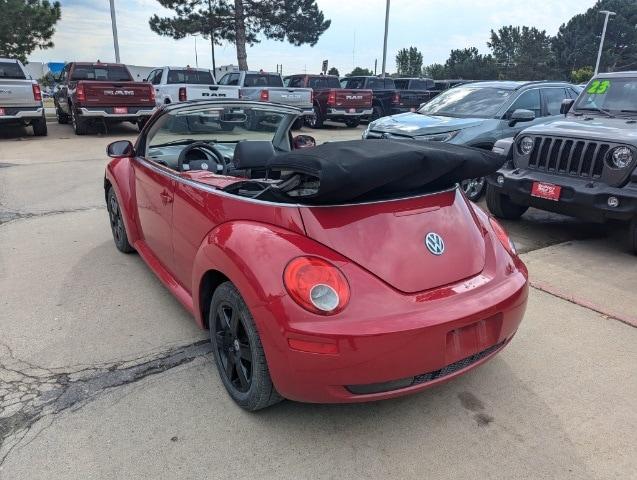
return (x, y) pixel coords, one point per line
(249, 154)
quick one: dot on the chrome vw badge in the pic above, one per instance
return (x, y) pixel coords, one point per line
(435, 243)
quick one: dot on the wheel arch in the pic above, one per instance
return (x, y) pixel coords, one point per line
(120, 177)
(209, 283)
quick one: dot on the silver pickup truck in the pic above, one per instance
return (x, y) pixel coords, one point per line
(20, 97)
(268, 87)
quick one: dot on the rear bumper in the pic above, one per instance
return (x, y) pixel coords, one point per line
(582, 198)
(391, 355)
(109, 113)
(396, 110)
(348, 112)
(17, 114)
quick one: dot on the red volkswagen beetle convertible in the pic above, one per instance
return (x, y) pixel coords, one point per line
(346, 272)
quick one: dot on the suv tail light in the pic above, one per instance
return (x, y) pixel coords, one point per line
(183, 96)
(316, 285)
(331, 98)
(37, 93)
(503, 236)
(80, 94)
(264, 96)
(396, 98)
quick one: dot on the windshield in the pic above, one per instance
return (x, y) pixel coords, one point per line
(11, 70)
(112, 73)
(190, 77)
(475, 102)
(616, 96)
(225, 123)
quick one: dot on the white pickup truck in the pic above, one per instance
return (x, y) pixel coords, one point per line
(179, 84)
(20, 97)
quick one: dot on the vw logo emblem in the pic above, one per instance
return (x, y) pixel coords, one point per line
(435, 243)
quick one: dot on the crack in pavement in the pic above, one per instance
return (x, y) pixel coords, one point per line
(7, 216)
(30, 393)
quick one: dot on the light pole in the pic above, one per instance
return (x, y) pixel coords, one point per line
(195, 35)
(114, 23)
(601, 41)
(385, 41)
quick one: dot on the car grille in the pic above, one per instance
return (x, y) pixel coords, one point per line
(424, 377)
(582, 158)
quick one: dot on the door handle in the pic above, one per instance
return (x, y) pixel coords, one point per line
(166, 198)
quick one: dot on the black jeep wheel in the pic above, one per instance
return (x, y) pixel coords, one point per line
(633, 235)
(502, 206)
(238, 352)
(474, 188)
(117, 223)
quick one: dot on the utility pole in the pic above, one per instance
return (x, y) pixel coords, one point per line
(601, 41)
(212, 36)
(385, 41)
(114, 23)
(196, 56)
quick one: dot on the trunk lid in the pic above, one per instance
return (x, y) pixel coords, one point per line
(350, 98)
(109, 94)
(16, 93)
(388, 238)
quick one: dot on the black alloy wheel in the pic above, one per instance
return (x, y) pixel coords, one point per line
(474, 188)
(117, 223)
(316, 120)
(79, 125)
(238, 352)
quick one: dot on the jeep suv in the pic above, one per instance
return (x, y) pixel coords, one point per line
(582, 165)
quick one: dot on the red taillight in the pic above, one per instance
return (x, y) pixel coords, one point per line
(503, 236)
(37, 93)
(316, 285)
(183, 96)
(396, 98)
(80, 95)
(331, 98)
(264, 96)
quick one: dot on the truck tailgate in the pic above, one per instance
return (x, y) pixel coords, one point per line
(117, 93)
(353, 98)
(16, 93)
(413, 98)
(297, 97)
(204, 92)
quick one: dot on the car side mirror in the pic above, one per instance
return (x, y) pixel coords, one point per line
(121, 148)
(521, 115)
(566, 105)
(303, 141)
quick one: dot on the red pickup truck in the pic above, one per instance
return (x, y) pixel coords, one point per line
(103, 93)
(331, 102)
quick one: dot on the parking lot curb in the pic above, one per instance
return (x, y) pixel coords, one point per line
(551, 290)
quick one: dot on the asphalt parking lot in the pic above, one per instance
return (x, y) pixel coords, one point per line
(104, 375)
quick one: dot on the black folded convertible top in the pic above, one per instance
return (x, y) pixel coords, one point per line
(363, 170)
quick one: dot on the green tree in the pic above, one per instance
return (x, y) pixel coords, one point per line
(26, 25)
(522, 53)
(243, 22)
(582, 75)
(577, 41)
(333, 71)
(409, 62)
(469, 64)
(437, 71)
(360, 72)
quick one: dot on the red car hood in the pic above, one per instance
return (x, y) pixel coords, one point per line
(388, 238)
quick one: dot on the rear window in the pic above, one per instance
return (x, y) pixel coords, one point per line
(262, 80)
(354, 83)
(190, 77)
(323, 82)
(380, 83)
(112, 73)
(11, 70)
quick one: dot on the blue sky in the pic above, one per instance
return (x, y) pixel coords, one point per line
(434, 26)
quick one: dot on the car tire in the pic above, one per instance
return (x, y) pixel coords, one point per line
(39, 127)
(633, 235)
(238, 352)
(352, 122)
(317, 120)
(377, 112)
(474, 188)
(79, 125)
(502, 206)
(62, 117)
(117, 223)
(298, 124)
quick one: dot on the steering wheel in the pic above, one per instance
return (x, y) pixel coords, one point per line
(186, 165)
